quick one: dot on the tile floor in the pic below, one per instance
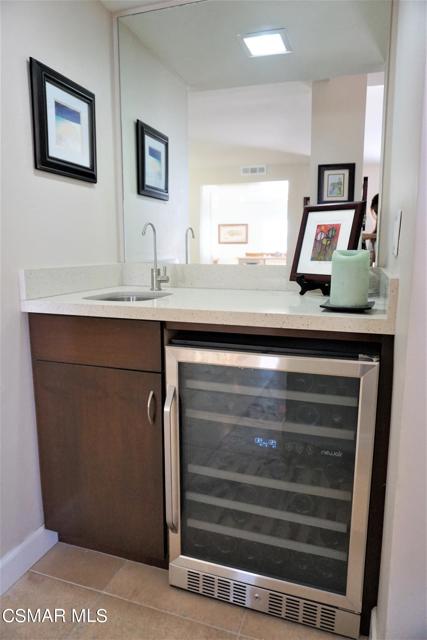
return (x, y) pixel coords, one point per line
(139, 602)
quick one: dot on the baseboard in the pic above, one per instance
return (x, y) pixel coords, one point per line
(17, 561)
(373, 626)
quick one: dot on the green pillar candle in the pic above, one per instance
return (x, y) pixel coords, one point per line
(350, 278)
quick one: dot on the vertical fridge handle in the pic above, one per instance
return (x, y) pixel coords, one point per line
(171, 464)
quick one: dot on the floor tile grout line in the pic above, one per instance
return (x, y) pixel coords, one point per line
(90, 552)
(171, 613)
(74, 584)
(139, 604)
(241, 623)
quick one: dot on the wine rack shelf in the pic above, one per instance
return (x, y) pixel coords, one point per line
(274, 394)
(252, 536)
(276, 514)
(260, 481)
(288, 427)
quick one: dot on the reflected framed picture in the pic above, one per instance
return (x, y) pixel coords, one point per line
(325, 228)
(232, 234)
(152, 162)
(63, 124)
(335, 183)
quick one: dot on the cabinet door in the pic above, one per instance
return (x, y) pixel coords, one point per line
(101, 458)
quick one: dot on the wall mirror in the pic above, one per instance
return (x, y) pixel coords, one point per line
(247, 125)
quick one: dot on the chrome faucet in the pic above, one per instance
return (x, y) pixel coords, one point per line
(156, 278)
(191, 230)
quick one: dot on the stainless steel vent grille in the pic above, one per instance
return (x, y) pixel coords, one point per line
(224, 589)
(292, 609)
(239, 594)
(309, 614)
(215, 587)
(193, 581)
(281, 606)
(275, 604)
(327, 619)
(287, 607)
(296, 610)
(208, 585)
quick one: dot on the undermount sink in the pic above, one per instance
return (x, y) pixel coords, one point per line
(129, 296)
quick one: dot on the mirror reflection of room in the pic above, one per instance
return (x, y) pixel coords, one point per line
(247, 134)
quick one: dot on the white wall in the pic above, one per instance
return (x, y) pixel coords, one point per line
(403, 589)
(155, 95)
(262, 206)
(46, 220)
(297, 176)
(337, 126)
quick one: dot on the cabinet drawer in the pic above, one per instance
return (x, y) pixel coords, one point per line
(105, 342)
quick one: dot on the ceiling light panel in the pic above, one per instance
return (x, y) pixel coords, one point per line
(266, 43)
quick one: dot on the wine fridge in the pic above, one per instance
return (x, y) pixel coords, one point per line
(267, 466)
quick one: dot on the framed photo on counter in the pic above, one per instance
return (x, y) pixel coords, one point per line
(63, 124)
(325, 228)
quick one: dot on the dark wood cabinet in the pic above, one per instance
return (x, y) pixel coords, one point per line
(100, 442)
(104, 342)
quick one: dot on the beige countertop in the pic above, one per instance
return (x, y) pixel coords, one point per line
(269, 309)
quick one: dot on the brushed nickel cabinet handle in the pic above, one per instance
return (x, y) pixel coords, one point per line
(151, 407)
(171, 469)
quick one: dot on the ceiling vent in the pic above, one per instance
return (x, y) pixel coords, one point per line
(254, 170)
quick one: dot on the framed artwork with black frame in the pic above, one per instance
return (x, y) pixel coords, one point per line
(323, 229)
(152, 162)
(335, 183)
(63, 124)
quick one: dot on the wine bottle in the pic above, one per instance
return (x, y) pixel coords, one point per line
(251, 557)
(307, 414)
(225, 548)
(346, 387)
(336, 416)
(303, 504)
(255, 411)
(246, 493)
(273, 468)
(198, 543)
(226, 461)
(282, 530)
(301, 382)
(331, 539)
(275, 560)
(202, 484)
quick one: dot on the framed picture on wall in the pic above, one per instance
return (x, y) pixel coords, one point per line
(152, 162)
(63, 124)
(232, 234)
(323, 229)
(335, 183)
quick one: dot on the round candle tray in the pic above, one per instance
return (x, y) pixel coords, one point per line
(343, 309)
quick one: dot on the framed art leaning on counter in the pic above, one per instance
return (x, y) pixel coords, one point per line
(325, 228)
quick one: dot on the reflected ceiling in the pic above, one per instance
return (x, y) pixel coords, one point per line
(273, 118)
(329, 38)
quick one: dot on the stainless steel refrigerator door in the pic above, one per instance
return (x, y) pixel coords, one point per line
(367, 375)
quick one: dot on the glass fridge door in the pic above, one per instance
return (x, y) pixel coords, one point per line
(267, 468)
